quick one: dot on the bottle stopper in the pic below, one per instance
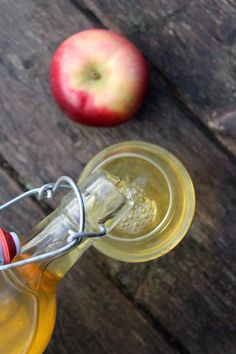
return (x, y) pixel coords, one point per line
(9, 246)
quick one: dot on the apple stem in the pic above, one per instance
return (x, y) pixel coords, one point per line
(95, 75)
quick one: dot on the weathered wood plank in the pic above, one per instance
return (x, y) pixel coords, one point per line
(93, 315)
(199, 306)
(19, 218)
(192, 290)
(42, 145)
(101, 319)
(193, 44)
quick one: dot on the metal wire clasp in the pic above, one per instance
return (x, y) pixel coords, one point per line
(47, 191)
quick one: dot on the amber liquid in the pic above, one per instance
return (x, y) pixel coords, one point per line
(27, 316)
(28, 303)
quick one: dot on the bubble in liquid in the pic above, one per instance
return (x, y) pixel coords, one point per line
(142, 214)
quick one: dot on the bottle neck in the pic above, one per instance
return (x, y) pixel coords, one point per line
(106, 201)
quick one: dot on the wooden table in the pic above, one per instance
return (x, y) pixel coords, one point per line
(184, 302)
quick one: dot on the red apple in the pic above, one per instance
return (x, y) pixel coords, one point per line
(98, 77)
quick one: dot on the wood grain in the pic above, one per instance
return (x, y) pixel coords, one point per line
(188, 295)
(192, 43)
(94, 317)
(19, 218)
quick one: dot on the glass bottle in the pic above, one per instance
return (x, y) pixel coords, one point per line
(28, 293)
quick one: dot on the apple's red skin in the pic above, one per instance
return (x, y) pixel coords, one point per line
(82, 97)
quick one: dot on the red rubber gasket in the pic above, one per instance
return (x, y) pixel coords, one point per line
(8, 246)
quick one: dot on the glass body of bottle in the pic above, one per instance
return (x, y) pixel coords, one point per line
(28, 293)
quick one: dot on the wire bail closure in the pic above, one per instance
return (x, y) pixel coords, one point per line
(47, 192)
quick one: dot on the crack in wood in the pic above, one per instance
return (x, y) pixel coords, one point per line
(88, 13)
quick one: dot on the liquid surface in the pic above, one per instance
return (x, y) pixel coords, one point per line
(141, 217)
(149, 191)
